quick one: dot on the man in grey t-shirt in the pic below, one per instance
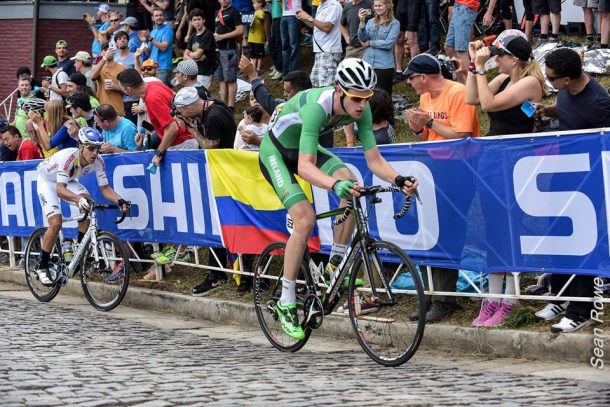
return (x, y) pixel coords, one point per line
(349, 27)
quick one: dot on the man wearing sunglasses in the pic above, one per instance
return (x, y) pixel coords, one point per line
(58, 178)
(291, 147)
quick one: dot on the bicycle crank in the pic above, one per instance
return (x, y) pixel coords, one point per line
(314, 312)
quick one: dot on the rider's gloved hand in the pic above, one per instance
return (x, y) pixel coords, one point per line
(84, 204)
(410, 189)
(343, 188)
(124, 205)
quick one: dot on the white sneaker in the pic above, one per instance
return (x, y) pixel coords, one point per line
(365, 308)
(552, 311)
(43, 277)
(569, 325)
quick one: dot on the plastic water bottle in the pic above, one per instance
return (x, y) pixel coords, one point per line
(67, 251)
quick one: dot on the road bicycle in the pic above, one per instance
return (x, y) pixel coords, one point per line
(378, 311)
(99, 256)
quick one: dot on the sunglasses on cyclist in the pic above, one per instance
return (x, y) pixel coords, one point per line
(93, 148)
(356, 98)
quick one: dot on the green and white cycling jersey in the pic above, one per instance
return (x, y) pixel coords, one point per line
(295, 128)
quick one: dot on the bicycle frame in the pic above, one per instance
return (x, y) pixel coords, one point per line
(90, 235)
(357, 245)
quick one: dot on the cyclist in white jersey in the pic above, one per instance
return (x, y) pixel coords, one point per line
(58, 179)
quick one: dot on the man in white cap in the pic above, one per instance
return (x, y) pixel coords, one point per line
(211, 122)
(213, 125)
(102, 14)
(82, 64)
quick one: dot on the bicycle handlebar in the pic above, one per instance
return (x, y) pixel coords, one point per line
(372, 191)
(103, 207)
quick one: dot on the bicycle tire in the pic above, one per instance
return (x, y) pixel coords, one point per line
(383, 332)
(268, 289)
(40, 291)
(99, 291)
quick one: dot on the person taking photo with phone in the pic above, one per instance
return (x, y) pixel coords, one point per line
(520, 80)
(377, 36)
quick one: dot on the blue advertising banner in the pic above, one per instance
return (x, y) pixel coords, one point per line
(512, 204)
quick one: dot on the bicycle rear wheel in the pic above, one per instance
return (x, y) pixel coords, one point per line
(33, 249)
(105, 280)
(267, 291)
(380, 321)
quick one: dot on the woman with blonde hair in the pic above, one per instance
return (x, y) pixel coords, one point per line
(378, 36)
(58, 130)
(520, 80)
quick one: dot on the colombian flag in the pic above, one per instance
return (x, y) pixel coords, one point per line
(250, 213)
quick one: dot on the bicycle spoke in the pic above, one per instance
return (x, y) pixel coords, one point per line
(267, 291)
(32, 259)
(105, 272)
(379, 312)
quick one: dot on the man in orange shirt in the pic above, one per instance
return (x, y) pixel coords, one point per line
(105, 74)
(442, 115)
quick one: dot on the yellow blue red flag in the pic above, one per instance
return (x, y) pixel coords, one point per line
(250, 213)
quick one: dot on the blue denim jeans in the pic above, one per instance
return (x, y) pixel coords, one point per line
(429, 27)
(291, 38)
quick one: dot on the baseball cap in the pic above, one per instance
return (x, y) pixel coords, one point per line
(130, 21)
(187, 67)
(186, 96)
(79, 100)
(424, 64)
(82, 56)
(103, 7)
(63, 43)
(516, 46)
(78, 79)
(49, 61)
(149, 62)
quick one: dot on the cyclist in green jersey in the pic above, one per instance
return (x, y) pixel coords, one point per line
(291, 147)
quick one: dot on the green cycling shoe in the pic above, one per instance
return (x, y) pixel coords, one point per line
(290, 320)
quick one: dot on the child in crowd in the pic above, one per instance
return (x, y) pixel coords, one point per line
(256, 35)
(252, 122)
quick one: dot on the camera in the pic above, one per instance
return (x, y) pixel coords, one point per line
(369, 12)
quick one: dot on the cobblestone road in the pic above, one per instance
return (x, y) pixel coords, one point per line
(65, 353)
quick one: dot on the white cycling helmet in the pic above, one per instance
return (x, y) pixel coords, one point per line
(89, 136)
(355, 73)
(34, 104)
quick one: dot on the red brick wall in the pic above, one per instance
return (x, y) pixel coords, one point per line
(17, 50)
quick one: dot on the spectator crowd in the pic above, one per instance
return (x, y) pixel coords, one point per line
(146, 83)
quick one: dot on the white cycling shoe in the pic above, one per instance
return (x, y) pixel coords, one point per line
(43, 276)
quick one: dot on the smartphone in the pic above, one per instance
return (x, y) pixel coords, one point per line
(148, 126)
(454, 65)
(528, 108)
(369, 12)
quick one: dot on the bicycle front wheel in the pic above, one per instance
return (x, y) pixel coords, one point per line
(379, 311)
(105, 272)
(33, 249)
(267, 292)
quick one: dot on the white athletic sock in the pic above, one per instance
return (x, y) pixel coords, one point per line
(288, 292)
(510, 288)
(496, 281)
